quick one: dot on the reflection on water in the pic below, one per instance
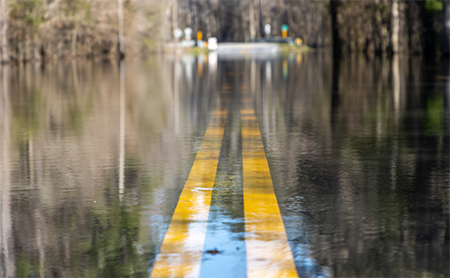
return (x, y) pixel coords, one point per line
(360, 160)
(94, 155)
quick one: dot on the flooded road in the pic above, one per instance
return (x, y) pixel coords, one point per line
(260, 165)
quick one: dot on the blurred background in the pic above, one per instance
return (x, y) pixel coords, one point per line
(48, 29)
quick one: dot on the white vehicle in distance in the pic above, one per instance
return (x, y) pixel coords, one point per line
(212, 43)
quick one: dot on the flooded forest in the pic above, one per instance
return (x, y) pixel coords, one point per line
(52, 29)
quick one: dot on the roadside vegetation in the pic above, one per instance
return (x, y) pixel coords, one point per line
(44, 29)
(55, 29)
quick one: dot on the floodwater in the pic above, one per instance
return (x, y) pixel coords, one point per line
(147, 167)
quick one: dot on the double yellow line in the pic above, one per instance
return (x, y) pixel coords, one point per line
(268, 251)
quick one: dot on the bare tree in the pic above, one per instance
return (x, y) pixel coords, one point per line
(252, 20)
(395, 25)
(3, 31)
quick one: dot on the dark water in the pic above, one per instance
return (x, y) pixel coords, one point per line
(94, 155)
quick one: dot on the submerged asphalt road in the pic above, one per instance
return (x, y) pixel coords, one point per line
(228, 224)
(247, 48)
(226, 165)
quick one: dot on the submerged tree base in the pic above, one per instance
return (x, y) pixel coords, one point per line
(38, 31)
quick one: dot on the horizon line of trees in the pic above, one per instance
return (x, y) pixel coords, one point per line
(55, 29)
(51, 29)
(371, 26)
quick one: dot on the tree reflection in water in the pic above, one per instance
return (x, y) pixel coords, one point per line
(358, 150)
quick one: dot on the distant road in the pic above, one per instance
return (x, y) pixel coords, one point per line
(250, 48)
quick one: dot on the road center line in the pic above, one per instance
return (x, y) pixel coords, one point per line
(182, 248)
(268, 251)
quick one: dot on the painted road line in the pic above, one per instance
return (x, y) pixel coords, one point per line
(268, 250)
(182, 248)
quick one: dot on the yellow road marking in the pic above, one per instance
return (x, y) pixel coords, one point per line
(182, 248)
(268, 251)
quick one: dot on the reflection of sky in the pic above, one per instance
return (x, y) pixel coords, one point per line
(224, 249)
(230, 262)
(307, 266)
(366, 144)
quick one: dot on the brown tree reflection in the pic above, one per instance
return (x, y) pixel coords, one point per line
(361, 163)
(7, 256)
(94, 156)
(74, 144)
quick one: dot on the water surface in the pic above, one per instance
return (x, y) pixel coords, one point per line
(94, 155)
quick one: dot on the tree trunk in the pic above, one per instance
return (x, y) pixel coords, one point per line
(36, 54)
(336, 41)
(120, 19)
(446, 39)
(4, 31)
(174, 17)
(1, 33)
(252, 30)
(74, 42)
(395, 26)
